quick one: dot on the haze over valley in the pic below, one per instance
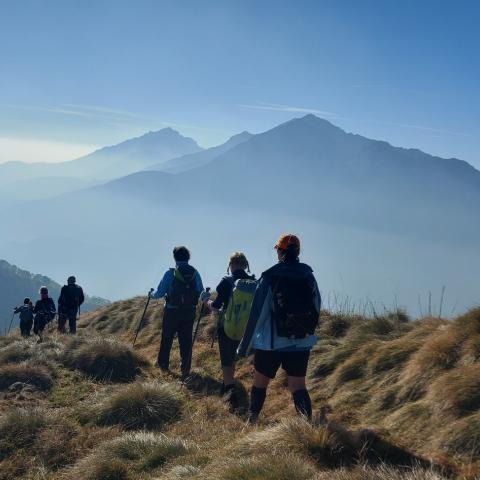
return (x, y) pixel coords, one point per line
(382, 226)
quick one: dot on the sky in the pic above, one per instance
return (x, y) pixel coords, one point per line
(79, 74)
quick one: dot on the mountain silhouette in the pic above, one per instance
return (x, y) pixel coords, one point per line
(199, 159)
(373, 207)
(29, 181)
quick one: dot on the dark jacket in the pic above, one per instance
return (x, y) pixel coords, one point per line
(45, 307)
(71, 297)
(258, 333)
(225, 287)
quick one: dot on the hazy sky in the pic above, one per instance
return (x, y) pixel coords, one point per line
(75, 74)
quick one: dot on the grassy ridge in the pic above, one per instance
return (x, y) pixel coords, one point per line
(390, 396)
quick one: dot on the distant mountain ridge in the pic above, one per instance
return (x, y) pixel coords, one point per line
(16, 284)
(199, 159)
(355, 197)
(30, 181)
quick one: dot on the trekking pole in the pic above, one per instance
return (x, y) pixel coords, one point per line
(11, 321)
(215, 332)
(202, 309)
(140, 324)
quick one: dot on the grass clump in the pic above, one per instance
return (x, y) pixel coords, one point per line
(379, 473)
(23, 350)
(130, 455)
(148, 450)
(142, 406)
(38, 376)
(104, 359)
(327, 447)
(458, 392)
(264, 467)
(18, 430)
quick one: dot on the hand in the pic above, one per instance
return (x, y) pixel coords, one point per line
(205, 296)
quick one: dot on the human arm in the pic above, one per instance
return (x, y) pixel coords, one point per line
(224, 291)
(164, 285)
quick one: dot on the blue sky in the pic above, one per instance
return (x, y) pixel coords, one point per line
(75, 74)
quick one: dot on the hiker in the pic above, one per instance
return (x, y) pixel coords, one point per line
(281, 326)
(233, 302)
(26, 317)
(181, 286)
(71, 297)
(44, 311)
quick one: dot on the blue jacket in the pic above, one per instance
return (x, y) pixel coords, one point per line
(167, 280)
(258, 333)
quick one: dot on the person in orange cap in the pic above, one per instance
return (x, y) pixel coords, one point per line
(281, 326)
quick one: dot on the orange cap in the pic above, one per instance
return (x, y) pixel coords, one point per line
(286, 240)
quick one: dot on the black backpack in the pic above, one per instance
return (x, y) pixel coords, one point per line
(183, 292)
(71, 297)
(294, 311)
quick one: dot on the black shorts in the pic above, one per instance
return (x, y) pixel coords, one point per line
(295, 364)
(228, 348)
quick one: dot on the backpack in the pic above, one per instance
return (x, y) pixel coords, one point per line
(26, 314)
(238, 309)
(71, 297)
(294, 311)
(183, 291)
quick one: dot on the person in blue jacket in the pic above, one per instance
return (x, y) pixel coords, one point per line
(181, 286)
(281, 326)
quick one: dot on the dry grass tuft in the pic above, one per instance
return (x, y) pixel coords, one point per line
(18, 429)
(326, 446)
(129, 456)
(379, 473)
(458, 392)
(104, 359)
(23, 350)
(38, 376)
(142, 406)
(263, 467)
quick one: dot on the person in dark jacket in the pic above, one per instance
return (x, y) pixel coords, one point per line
(71, 297)
(280, 328)
(181, 287)
(237, 269)
(44, 311)
(26, 317)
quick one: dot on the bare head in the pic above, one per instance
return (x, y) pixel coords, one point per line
(238, 261)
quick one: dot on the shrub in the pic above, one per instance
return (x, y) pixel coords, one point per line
(18, 428)
(103, 359)
(37, 376)
(264, 467)
(22, 350)
(142, 405)
(458, 391)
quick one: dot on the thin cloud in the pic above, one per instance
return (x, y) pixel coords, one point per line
(95, 109)
(85, 111)
(287, 108)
